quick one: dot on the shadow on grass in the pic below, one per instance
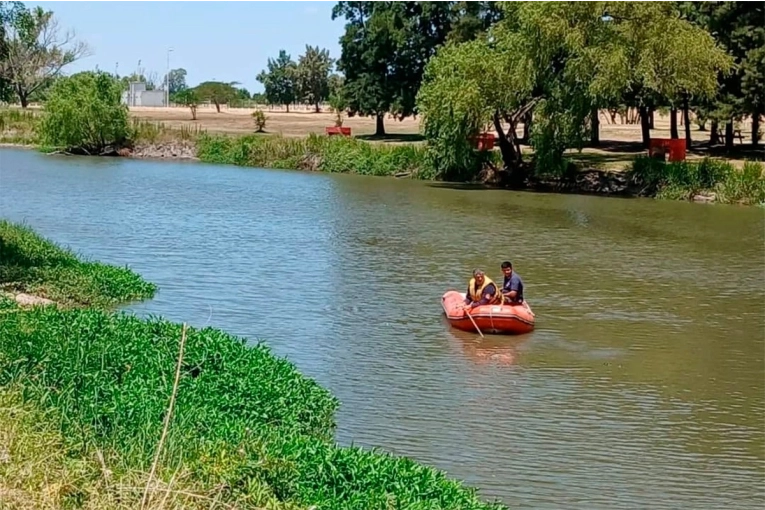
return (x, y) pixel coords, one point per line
(393, 138)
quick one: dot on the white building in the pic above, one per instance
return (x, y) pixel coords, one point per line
(137, 95)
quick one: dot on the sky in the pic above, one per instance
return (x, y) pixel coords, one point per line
(223, 41)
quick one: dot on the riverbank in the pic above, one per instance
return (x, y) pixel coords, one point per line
(86, 392)
(731, 181)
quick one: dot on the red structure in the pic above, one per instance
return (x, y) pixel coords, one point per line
(661, 146)
(483, 142)
(338, 130)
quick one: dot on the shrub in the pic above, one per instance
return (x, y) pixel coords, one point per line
(260, 120)
(84, 114)
(746, 186)
(33, 264)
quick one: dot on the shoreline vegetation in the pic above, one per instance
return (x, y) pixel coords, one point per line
(701, 179)
(102, 409)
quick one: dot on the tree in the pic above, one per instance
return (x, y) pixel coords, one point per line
(312, 73)
(740, 28)
(176, 80)
(85, 114)
(383, 53)
(34, 50)
(280, 80)
(217, 92)
(190, 98)
(8, 10)
(561, 60)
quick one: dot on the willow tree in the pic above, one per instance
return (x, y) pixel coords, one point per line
(562, 60)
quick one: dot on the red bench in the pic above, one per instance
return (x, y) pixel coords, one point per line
(660, 146)
(483, 142)
(337, 130)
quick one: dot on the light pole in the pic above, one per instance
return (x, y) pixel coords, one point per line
(167, 79)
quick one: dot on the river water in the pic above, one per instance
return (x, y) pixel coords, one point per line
(643, 385)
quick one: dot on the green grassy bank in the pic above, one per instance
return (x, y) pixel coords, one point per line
(86, 419)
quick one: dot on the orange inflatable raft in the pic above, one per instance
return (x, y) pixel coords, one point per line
(505, 319)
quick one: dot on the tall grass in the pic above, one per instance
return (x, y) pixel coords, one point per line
(685, 179)
(316, 153)
(144, 131)
(32, 264)
(18, 126)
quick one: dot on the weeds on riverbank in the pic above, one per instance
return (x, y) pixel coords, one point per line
(18, 126)
(315, 153)
(244, 419)
(685, 179)
(32, 264)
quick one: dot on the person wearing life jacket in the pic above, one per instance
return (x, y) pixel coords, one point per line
(482, 291)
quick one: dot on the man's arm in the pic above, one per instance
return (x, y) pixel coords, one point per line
(512, 288)
(467, 296)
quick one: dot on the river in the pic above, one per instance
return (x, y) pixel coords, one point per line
(643, 385)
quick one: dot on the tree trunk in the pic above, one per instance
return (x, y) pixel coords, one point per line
(380, 125)
(673, 123)
(317, 107)
(687, 121)
(652, 118)
(288, 107)
(729, 135)
(645, 125)
(24, 100)
(527, 128)
(755, 128)
(594, 127)
(714, 136)
(511, 157)
(217, 106)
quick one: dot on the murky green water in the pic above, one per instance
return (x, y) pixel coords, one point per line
(643, 385)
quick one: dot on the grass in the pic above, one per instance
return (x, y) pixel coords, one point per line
(32, 264)
(85, 419)
(18, 127)
(318, 153)
(686, 179)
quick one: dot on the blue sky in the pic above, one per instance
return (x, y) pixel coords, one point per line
(226, 41)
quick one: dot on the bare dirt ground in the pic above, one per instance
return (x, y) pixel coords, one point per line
(619, 142)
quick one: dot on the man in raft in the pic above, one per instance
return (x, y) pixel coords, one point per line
(482, 291)
(512, 290)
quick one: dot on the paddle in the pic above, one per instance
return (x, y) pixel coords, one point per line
(474, 324)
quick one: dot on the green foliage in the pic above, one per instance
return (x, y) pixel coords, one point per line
(312, 75)
(84, 114)
(176, 80)
(561, 59)
(190, 98)
(686, 179)
(746, 186)
(29, 263)
(317, 153)
(384, 50)
(260, 120)
(280, 81)
(216, 92)
(33, 52)
(740, 29)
